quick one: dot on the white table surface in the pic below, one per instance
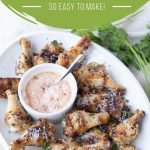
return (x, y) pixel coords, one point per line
(12, 26)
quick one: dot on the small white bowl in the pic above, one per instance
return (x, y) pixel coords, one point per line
(46, 67)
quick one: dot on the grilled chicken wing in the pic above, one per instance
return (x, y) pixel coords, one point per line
(102, 144)
(93, 77)
(15, 115)
(17, 144)
(48, 54)
(24, 61)
(58, 146)
(55, 146)
(8, 83)
(43, 132)
(64, 145)
(103, 102)
(126, 132)
(127, 147)
(77, 122)
(95, 139)
(67, 57)
(92, 136)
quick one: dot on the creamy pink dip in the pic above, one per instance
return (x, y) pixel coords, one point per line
(42, 97)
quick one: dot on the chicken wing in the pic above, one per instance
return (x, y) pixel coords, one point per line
(127, 147)
(24, 61)
(103, 144)
(95, 138)
(67, 57)
(48, 54)
(43, 132)
(17, 145)
(92, 136)
(126, 132)
(15, 116)
(103, 102)
(58, 146)
(77, 122)
(64, 145)
(93, 77)
(8, 83)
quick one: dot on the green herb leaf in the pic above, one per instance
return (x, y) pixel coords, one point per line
(114, 147)
(144, 47)
(46, 60)
(54, 42)
(126, 100)
(45, 146)
(116, 40)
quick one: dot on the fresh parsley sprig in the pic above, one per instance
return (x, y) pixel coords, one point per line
(116, 40)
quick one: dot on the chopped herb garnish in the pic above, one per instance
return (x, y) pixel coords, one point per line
(114, 147)
(46, 60)
(55, 43)
(126, 100)
(124, 112)
(45, 146)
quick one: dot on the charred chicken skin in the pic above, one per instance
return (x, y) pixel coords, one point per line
(67, 57)
(77, 122)
(94, 77)
(15, 115)
(24, 62)
(48, 54)
(103, 102)
(126, 132)
(43, 132)
(6, 84)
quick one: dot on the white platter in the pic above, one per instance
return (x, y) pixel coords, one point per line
(120, 73)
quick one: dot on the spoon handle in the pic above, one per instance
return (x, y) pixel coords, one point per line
(76, 62)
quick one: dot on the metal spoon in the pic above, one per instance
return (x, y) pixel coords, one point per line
(76, 62)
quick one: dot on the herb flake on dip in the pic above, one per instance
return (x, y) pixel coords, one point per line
(41, 95)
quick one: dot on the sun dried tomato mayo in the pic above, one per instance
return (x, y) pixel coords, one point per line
(42, 97)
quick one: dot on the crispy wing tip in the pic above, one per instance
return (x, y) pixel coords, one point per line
(10, 92)
(85, 41)
(67, 57)
(104, 117)
(137, 117)
(25, 42)
(17, 144)
(24, 62)
(8, 83)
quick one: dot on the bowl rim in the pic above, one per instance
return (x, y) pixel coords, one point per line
(29, 109)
